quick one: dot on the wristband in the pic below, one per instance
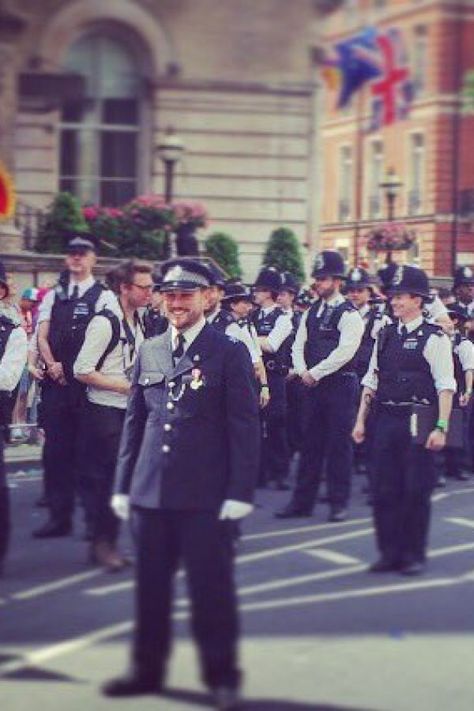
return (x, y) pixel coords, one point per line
(267, 387)
(442, 426)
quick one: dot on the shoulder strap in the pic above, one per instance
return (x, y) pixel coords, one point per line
(115, 337)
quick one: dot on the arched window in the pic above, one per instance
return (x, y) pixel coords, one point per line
(100, 132)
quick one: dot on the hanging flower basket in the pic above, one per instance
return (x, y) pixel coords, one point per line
(389, 237)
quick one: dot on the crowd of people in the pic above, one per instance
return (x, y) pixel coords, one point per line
(168, 397)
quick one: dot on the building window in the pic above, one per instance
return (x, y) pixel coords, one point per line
(345, 183)
(416, 174)
(419, 62)
(375, 178)
(99, 152)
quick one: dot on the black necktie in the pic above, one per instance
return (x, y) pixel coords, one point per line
(178, 351)
(75, 292)
(403, 332)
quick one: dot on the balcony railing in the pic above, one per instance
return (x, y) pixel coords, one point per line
(414, 202)
(344, 210)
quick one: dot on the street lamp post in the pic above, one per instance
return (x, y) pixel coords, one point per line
(170, 151)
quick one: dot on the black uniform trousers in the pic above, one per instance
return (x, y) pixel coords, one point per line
(329, 415)
(164, 538)
(275, 454)
(4, 504)
(404, 478)
(102, 429)
(294, 396)
(62, 419)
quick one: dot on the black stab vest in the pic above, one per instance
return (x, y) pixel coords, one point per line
(323, 336)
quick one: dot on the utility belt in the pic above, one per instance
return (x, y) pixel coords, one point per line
(273, 366)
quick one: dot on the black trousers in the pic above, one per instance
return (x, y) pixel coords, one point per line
(275, 455)
(404, 478)
(102, 429)
(4, 504)
(204, 546)
(62, 419)
(329, 413)
(294, 397)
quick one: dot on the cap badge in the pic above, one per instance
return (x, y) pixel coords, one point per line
(356, 275)
(319, 262)
(467, 272)
(398, 277)
(174, 274)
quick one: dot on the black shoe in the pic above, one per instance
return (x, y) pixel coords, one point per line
(291, 512)
(131, 685)
(52, 529)
(337, 515)
(414, 568)
(226, 699)
(383, 565)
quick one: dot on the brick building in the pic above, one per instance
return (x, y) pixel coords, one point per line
(233, 78)
(431, 151)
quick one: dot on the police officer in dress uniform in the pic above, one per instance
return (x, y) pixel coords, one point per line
(62, 321)
(215, 315)
(13, 352)
(411, 362)
(104, 365)
(327, 340)
(273, 328)
(188, 465)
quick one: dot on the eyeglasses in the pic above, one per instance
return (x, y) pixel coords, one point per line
(144, 287)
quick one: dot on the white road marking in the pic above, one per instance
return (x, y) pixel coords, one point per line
(250, 557)
(451, 549)
(55, 585)
(468, 522)
(304, 529)
(333, 556)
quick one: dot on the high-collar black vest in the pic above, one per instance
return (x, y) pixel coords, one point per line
(222, 320)
(404, 374)
(69, 321)
(364, 352)
(323, 335)
(264, 325)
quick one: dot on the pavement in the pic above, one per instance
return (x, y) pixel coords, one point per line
(319, 632)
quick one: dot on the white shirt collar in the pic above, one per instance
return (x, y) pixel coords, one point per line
(213, 315)
(83, 285)
(335, 300)
(190, 334)
(364, 310)
(268, 309)
(411, 325)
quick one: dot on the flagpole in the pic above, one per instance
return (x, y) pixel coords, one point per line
(359, 176)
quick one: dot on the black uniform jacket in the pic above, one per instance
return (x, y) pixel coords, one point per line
(191, 432)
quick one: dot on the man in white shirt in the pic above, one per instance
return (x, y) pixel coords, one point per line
(104, 365)
(13, 350)
(327, 340)
(411, 363)
(63, 317)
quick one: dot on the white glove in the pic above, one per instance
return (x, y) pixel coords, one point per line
(234, 509)
(120, 505)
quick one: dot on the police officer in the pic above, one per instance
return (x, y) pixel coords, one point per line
(287, 294)
(13, 351)
(62, 321)
(463, 288)
(217, 316)
(411, 362)
(188, 464)
(323, 355)
(273, 328)
(359, 291)
(154, 321)
(104, 365)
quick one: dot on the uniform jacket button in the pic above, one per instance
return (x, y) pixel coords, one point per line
(167, 427)
(165, 448)
(169, 406)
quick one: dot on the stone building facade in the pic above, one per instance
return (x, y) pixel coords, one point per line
(431, 151)
(234, 78)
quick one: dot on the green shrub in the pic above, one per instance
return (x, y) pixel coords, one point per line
(62, 217)
(224, 251)
(284, 253)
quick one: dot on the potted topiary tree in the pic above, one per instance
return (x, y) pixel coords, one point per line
(283, 252)
(224, 251)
